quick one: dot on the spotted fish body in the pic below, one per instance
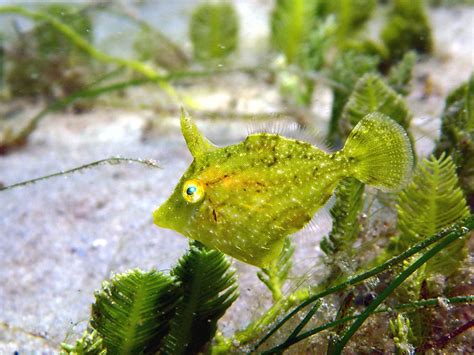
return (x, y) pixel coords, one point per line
(244, 199)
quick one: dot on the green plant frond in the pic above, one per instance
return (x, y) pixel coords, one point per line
(295, 83)
(400, 74)
(407, 28)
(49, 41)
(458, 115)
(346, 71)
(345, 213)
(214, 30)
(152, 45)
(2, 64)
(371, 94)
(312, 54)
(209, 287)
(90, 344)
(368, 47)
(412, 289)
(132, 312)
(292, 22)
(43, 55)
(430, 203)
(351, 15)
(400, 329)
(275, 276)
(457, 135)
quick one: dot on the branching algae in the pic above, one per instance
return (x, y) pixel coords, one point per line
(244, 199)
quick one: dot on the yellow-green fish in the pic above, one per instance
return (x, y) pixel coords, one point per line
(244, 199)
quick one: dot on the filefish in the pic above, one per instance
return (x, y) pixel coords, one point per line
(245, 199)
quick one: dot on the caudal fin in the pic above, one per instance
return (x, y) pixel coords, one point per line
(379, 152)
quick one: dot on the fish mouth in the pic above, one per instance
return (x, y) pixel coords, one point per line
(165, 217)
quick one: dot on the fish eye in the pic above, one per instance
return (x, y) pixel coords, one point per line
(193, 191)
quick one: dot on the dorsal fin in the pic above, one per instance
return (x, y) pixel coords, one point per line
(195, 140)
(289, 129)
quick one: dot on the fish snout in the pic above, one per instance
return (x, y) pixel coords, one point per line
(162, 217)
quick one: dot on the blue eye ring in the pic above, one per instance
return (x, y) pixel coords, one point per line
(193, 191)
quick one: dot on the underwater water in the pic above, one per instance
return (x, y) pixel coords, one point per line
(84, 81)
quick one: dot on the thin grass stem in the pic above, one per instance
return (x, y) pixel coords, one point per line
(112, 160)
(433, 302)
(463, 226)
(451, 237)
(80, 42)
(305, 320)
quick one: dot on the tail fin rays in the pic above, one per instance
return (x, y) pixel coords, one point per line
(380, 152)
